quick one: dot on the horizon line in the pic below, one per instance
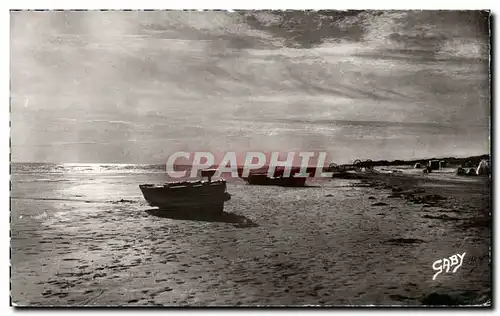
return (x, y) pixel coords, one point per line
(125, 163)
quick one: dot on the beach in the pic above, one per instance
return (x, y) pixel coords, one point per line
(82, 236)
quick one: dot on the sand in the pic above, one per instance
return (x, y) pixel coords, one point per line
(91, 240)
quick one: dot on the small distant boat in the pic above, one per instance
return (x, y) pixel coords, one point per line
(278, 178)
(188, 195)
(264, 179)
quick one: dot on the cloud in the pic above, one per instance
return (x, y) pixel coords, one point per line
(177, 77)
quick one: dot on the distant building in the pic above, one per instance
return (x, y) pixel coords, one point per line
(461, 171)
(434, 164)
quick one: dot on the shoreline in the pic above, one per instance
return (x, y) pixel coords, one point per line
(368, 240)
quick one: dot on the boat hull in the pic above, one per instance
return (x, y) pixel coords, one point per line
(201, 196)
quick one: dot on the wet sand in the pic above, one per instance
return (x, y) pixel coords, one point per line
(92, 240)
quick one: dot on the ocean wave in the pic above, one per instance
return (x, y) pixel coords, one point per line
(48, 168)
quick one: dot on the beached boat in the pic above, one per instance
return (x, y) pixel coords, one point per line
(187, 195)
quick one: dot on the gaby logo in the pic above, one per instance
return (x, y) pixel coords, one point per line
(236, 164)
(446, 264)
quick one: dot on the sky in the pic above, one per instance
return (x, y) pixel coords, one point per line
(136, 86)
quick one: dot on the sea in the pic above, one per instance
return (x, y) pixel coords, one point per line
(33, 184)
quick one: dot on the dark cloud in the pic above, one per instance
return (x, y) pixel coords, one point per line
(411, 30)
(305, 29)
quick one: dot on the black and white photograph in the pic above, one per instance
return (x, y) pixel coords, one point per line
(250, 158)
